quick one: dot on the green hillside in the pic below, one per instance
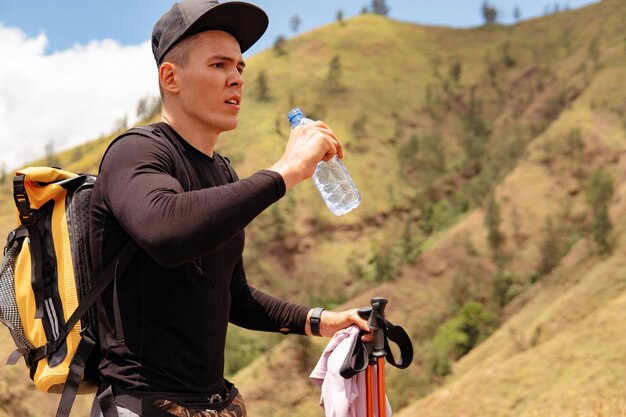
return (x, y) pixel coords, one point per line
(491, 167)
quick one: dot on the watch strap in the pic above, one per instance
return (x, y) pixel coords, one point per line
(316, 318)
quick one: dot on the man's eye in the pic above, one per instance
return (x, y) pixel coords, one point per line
(218, 65)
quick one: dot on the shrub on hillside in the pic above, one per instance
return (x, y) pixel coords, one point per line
(456, 337)
(598, 192)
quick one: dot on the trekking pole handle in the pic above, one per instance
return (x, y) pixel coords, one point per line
(377, 323)
(364, 312)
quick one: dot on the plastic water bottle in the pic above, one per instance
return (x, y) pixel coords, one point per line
(331, 178)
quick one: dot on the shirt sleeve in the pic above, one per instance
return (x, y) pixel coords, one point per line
(172, 225)
(255, 310)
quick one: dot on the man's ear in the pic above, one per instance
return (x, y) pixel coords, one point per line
(167, 77)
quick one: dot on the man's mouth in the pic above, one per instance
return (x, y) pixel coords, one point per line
(233, 100)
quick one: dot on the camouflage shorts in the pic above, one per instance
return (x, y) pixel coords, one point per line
(236, 408)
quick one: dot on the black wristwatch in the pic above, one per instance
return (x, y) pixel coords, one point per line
(316, 316)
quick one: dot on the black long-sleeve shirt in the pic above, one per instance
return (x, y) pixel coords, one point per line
(187, 213)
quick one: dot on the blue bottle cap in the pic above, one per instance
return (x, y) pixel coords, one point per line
(294, 115)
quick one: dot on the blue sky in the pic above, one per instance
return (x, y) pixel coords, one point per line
(61, 57)
(66, 22)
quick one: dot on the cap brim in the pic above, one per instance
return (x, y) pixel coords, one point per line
(245, 21)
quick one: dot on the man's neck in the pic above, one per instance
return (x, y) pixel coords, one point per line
(193, 134)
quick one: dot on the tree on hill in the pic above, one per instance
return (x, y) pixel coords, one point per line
(599, 190)
(380, 7)
(52, 160)
(490, 13)
(3, 173)
(517, 14)
(142, 107)
(550, 247)
(294, 22)
(279, 45)
(493, 220)
(147, 107)
(455, 71)
(262, 87)
(339, 17)
(507, 58)
(333, 83)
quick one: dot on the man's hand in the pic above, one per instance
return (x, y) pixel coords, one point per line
(331, 323)
(308, 144)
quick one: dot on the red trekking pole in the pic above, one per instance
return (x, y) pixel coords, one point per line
(376, 322)
(372, 355)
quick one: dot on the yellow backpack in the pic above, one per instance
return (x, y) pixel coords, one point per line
(47, 287)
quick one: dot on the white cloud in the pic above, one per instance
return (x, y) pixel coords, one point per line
(69, 96)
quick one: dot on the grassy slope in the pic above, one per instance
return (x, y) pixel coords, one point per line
(386, 68)
(562, 353)
(562, 350)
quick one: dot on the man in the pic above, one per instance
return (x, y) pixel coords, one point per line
(163, 325)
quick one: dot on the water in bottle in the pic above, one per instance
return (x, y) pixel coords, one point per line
(331, 178)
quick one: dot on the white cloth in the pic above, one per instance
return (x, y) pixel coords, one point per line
(342, 397)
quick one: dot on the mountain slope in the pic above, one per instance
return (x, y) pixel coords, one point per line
(481, 156)
(574, 109)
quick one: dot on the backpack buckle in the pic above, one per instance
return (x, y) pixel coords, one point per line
(21, 200)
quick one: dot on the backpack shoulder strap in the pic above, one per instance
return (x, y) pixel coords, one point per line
(176, 148)
(87, 342)
(137, 130)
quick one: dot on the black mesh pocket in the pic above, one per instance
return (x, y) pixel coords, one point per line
(9, 313)
(78, 221)
(78, 225)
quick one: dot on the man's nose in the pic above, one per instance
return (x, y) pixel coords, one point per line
(236, 79)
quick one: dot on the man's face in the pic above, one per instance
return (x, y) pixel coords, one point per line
(210, 82)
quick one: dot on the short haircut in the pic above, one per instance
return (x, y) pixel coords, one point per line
(180, 51)
(179, 54)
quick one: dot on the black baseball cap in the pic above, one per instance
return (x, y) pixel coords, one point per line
(245, 21)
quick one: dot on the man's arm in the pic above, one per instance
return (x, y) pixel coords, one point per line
(255, 310)
(172, 225)
(331, 322)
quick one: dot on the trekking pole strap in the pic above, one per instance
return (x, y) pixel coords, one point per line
(397, 335)
(361, 352)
